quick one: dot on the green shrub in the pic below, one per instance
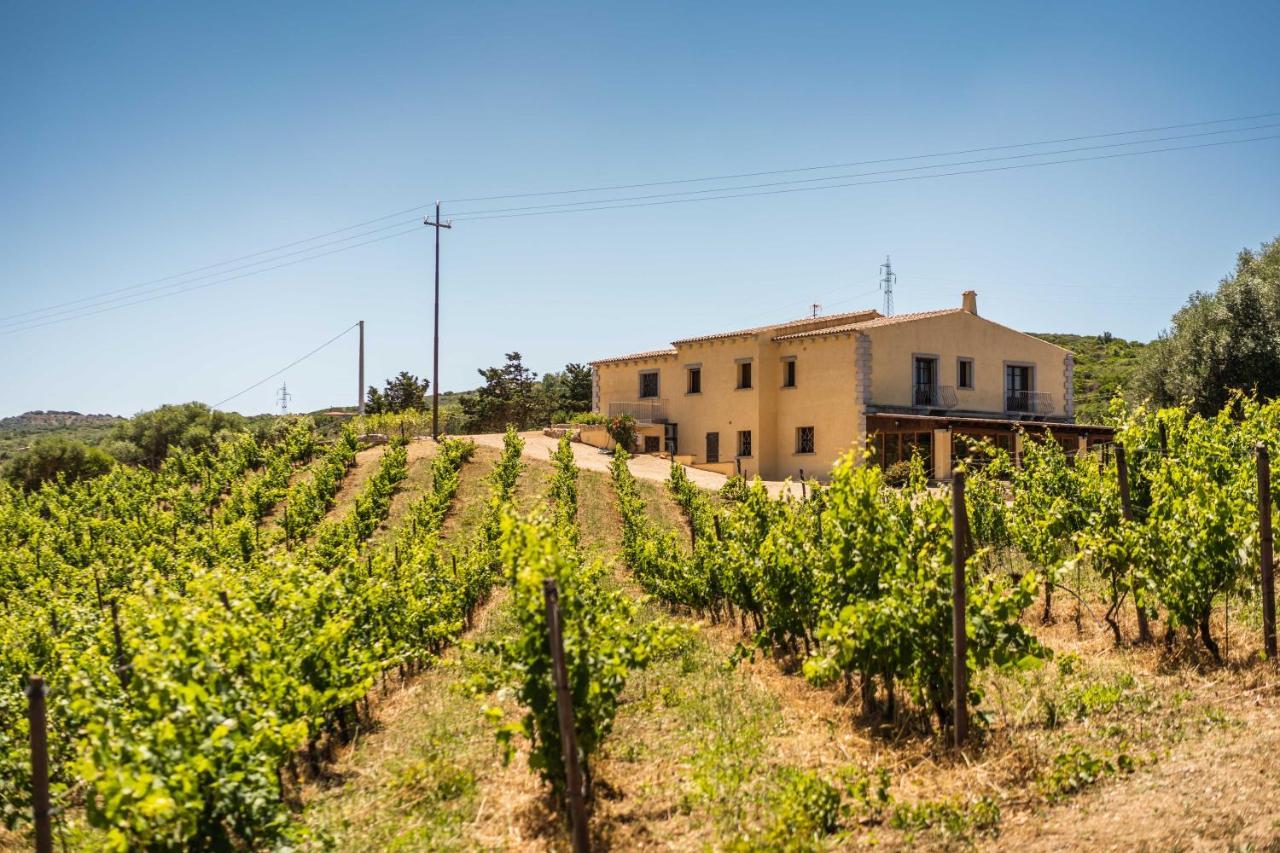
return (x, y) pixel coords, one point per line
(734, 488)
(49, 458)
(622, 430)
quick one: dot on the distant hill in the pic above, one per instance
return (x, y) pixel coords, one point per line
(20, 430)
(40, 421)
(1104, 365)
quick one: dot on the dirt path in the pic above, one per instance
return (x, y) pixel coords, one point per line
(431, 775)
(645, 467)
(417, 482)
(366, 463)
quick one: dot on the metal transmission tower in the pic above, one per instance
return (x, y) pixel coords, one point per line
(282, 397)
(888, 278)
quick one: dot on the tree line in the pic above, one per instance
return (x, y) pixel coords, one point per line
(510, 395)
(1220, 342)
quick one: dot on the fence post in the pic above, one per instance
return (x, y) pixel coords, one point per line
(39, 763)
(804, 487)
(1126, 507)
(564, 711)
(959, 650)
(1268, 561)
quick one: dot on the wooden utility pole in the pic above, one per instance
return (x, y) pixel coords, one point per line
(564, 711)
(435, 359)
(360, 381)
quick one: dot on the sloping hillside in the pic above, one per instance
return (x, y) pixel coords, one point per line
(18, 431)
(1104, 365)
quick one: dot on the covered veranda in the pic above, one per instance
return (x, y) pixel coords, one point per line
(937, 438)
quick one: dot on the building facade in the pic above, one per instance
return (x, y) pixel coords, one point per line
(779, 400)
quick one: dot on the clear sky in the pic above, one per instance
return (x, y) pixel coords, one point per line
(141, 140)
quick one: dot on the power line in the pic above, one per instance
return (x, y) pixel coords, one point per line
(294, 363)
(1002, 158)
(864, 162)
(96, 301)
(153, 298)
(270, 251)
(21, 319)
(36, 318)
(901, 179)
(185, 287)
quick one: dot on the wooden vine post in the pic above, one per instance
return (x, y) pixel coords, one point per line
(1126, 508)
(564, 711)
(1267, 549)
(959, 649)
(122, 662)
(38, 721)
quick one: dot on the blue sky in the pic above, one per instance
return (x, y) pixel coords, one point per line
(141, 140)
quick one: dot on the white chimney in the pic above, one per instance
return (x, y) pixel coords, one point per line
(969, 301)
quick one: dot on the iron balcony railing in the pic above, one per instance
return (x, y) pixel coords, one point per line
(644, 411)
(1030, 402)
(934, 396)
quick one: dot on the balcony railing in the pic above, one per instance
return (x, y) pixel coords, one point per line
(934, 396)
(1030, 402)
(644, 411)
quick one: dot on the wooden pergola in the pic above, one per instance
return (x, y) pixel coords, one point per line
(894, 436)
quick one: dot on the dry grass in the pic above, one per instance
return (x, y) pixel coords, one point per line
(417, 482)
(1103, 747)
(473, 490)
(365, 465)
(430, 777)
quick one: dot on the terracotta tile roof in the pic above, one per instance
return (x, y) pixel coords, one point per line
(849, 316)
(872, 323)
(657, 353)
(907, 318)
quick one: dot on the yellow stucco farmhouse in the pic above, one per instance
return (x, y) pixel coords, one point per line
(779, 400)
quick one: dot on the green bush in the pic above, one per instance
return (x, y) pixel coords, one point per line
(146, 438)
(49, 458)
(622, 430)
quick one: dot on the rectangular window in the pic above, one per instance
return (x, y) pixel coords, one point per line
(744, 442)
(648, 384)
(789, 373)
(964, 373)
(924, 385)
(894, 447)
(695, 381)
(713, 447)
(744, 374)
(1019, 382)
(652, 443)
(804, 439)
